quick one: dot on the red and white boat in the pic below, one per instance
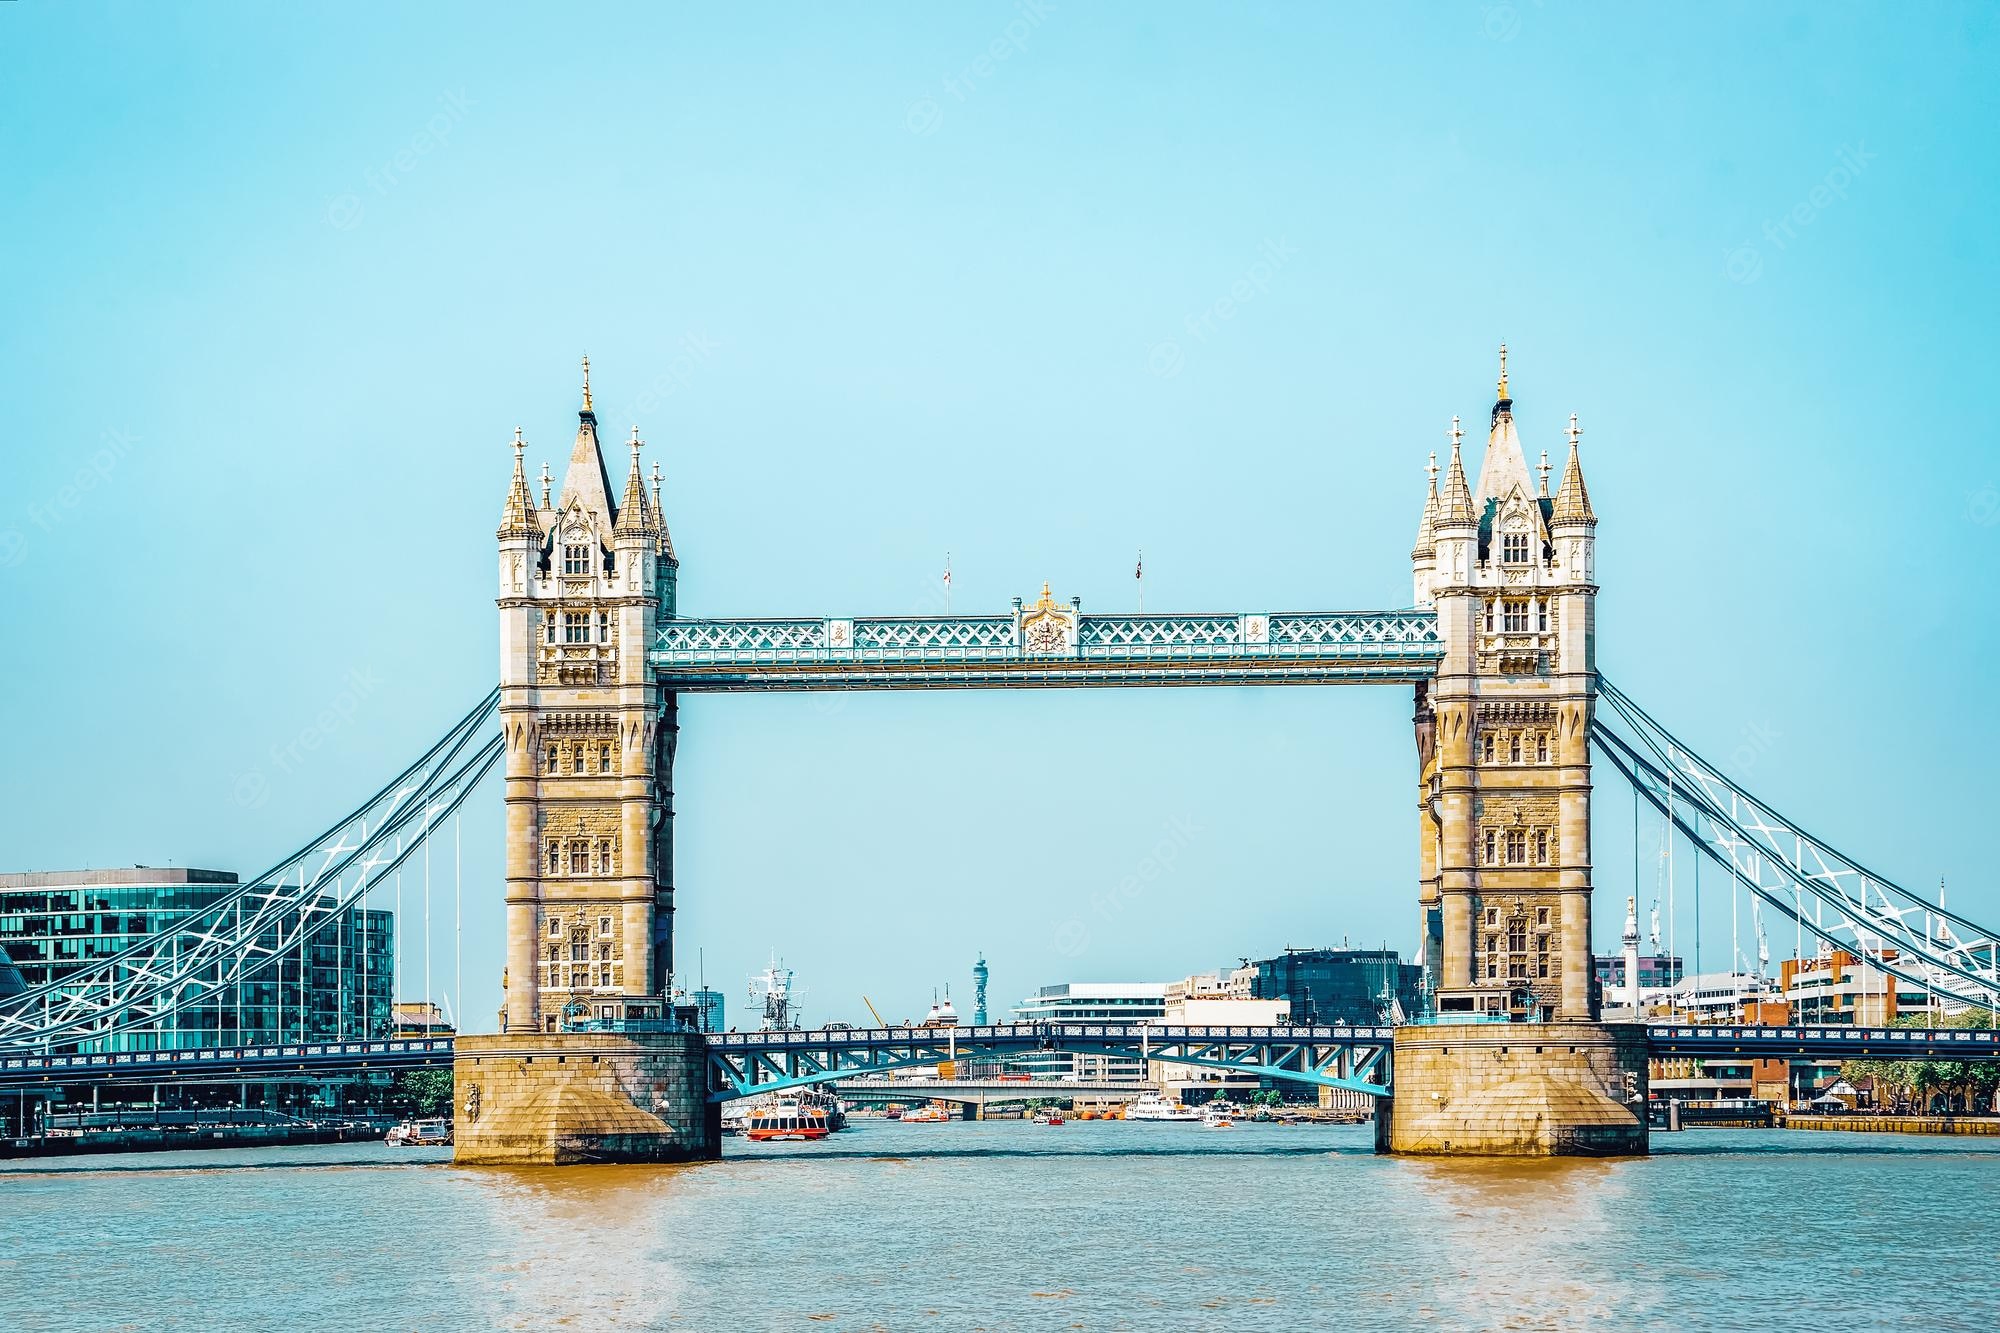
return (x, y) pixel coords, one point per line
(785, 1119)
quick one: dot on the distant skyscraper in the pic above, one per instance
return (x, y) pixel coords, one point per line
(708, 1005)
(979, 992)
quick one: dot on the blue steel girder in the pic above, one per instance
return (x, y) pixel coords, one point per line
(1046, 645)
(745, 1064)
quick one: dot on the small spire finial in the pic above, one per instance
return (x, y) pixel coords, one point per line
(1544, 470)
(519, 445)
(1503, 371)
(1433, 469)
(586, 382)
(636, 442)
(545, 485)
(1575, 431)
(1456, 434)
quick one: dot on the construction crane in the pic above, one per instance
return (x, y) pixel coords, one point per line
(871, 1009)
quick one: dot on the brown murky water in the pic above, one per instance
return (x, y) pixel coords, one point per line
(1016, 1226)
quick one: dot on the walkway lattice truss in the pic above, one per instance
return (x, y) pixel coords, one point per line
(244, 932)
(1832, 896)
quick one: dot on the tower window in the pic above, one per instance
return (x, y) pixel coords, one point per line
(1517, 847)
(579, 953)
(1514, 748)
(1486, 748)
(1541, 749)
(604, 627)
(1514, 548)
(1542, 617)
(1517, 618)
(1489, 617)
(1492, 918)
(604, 858)
(555, 861)
(555, 927)
(579, 858)
(1542, 859)
(576, 559)
(604, 759)
(1542, 919)
(549, 628)
(604, 928)
(1490, 836)
(555, 758)
(576, 627)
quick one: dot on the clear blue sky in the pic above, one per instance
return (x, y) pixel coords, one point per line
(281, 285)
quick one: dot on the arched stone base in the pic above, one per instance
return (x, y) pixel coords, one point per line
(565, 1098)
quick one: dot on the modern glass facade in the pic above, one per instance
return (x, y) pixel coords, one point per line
(1341, 985)
(336, 986)
(1084, 1002)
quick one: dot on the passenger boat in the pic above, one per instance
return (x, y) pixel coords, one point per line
(787, 1118)
(1218, 1115)
(927, 1115)
(1049, 1116)
(1153, 1106)
(420, 1134)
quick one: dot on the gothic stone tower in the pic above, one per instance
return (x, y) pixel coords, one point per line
(1503, 732)
(1503, 744)
(590, 748)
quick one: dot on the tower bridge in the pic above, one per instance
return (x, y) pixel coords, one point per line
(1498, 647)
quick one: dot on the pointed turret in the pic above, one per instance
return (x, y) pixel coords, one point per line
(1455, 504)
(587, 483)
(519, 517)
(1572, 504)
(1504, 466)
(1426, 546)
(634, 519)
(663, 541)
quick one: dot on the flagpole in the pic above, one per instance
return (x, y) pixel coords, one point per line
(1139, 574)
(947, 582)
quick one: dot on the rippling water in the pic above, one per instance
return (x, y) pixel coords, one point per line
(1007, 1225)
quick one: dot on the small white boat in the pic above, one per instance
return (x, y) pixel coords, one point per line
(420, 1134)
(1153, 1106)
(1218, 1115)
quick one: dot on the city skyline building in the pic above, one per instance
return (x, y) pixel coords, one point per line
(1087, 1001)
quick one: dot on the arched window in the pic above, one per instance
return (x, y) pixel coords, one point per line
(1542, 616)
(1489, 617)
(555, 864)
(1490, 838)
(555, 929)
(604, 759)
(1516, 618)
(1514, 548)
(604, 857)
(1486, 748)
(1542, 749)
(1542, 856)
(555, 758)
(576, 559)
(576, 759)
(604, 627)
(1514, 748)
(579, 858)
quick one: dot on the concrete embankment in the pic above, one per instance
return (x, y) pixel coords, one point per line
(1897, 1124)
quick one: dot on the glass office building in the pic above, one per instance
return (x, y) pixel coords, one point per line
(334, 987)
(1366, 986)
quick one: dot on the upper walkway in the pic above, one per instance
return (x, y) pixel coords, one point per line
(1047, 645)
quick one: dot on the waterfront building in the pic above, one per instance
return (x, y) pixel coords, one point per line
(1085, 1002)
(1657, 972)
(1341, 985)
(422, 1018)
(1711, 997)
(336, 986)
(1838, 987)
(1221, 999)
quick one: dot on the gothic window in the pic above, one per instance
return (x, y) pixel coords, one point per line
(579, 858)
(555, 758)
(576, 627)
(604, 974)
(1492, 919)
(576, 559)
(1489, 854)
(579, 953)
(1516, 617)
(1542, 919)
(576, 759)
(1486, 751)
(1517, 847)
(549, 628)
(555, 867)
(555, 927)
(1514, 548)
(1542, 858)
(604, 928)
(1542, 956)
(603, 858)
(1514, 748)
(604, 627)
(1542, 617)
(579, 978)
(1541, 749)
(1489, 617)
(603, 953)
(604, 759)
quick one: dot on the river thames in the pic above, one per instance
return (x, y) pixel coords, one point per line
(1007, 1225)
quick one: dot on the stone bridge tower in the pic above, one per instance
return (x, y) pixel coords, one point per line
(584, 580)
(1503, 745)
(1503, 732)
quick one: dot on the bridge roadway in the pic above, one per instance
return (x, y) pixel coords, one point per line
(746, 1063)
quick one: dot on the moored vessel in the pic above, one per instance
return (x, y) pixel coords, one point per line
(1153, 1106)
